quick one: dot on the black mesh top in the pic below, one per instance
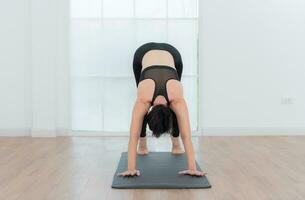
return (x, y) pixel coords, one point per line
(160, 74)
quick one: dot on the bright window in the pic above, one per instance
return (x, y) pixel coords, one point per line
(104, 36)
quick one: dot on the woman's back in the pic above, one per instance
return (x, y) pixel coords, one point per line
(157, 57)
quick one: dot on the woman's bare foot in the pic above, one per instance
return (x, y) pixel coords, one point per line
(142, 147)
(176, 146)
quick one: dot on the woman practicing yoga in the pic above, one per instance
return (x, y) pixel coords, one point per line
(160, 104)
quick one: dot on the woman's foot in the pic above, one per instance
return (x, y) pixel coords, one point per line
(142, 147)
(176, 146)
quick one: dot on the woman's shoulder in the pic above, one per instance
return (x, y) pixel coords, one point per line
(174, 89)
(145, 90)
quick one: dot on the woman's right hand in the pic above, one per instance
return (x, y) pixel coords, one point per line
(134, 172)
(192, 172)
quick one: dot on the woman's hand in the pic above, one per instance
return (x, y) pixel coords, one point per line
(134, 172)
(192, 172)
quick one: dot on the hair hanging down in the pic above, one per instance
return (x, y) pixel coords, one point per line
(160, 120)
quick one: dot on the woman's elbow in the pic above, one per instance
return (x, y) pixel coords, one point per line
(178, 101)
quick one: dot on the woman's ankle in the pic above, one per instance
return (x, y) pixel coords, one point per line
(143, 142)
(175, 141)
(142, 147)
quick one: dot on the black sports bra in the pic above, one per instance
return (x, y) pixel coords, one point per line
(160, 74)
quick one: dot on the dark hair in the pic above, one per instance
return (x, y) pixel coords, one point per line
(160, 120)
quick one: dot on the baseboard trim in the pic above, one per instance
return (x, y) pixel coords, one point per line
(112, 134)
(51, 133)
(241, 131)
(15, 132)
(210, 131)
(44, 133)
(33, 133)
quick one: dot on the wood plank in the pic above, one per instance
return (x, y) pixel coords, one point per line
(81, 168)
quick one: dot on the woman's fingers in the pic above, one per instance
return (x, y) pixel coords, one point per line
(199, 173)
(135, 173)
(130, 173)
(183, 172)
(123, 173)
(192, 173)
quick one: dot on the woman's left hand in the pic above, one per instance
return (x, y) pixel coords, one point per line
(192, 172)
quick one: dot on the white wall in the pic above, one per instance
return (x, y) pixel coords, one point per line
(252, 58)
(49, 67)
(14, 66)
(34, 70)
(119, 29)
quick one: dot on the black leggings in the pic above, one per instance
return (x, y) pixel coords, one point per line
(137, 68)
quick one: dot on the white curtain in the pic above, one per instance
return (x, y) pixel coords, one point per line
(49, 71)
(104, 36)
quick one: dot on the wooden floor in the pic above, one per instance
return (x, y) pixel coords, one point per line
(81, 168)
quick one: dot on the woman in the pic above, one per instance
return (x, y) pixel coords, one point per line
(160, 104)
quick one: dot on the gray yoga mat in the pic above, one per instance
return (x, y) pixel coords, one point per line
(159, 170)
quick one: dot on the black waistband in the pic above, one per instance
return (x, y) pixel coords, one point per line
(159, 67)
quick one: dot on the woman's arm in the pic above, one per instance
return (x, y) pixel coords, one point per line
(139, 110)
(180, 108)
(138, 113)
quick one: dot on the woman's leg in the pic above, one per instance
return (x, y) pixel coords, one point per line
(137, 68)
(142, 145)
(176, 144)
(144, 125)
(137, 59)
(175, 131)
(177, 57)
